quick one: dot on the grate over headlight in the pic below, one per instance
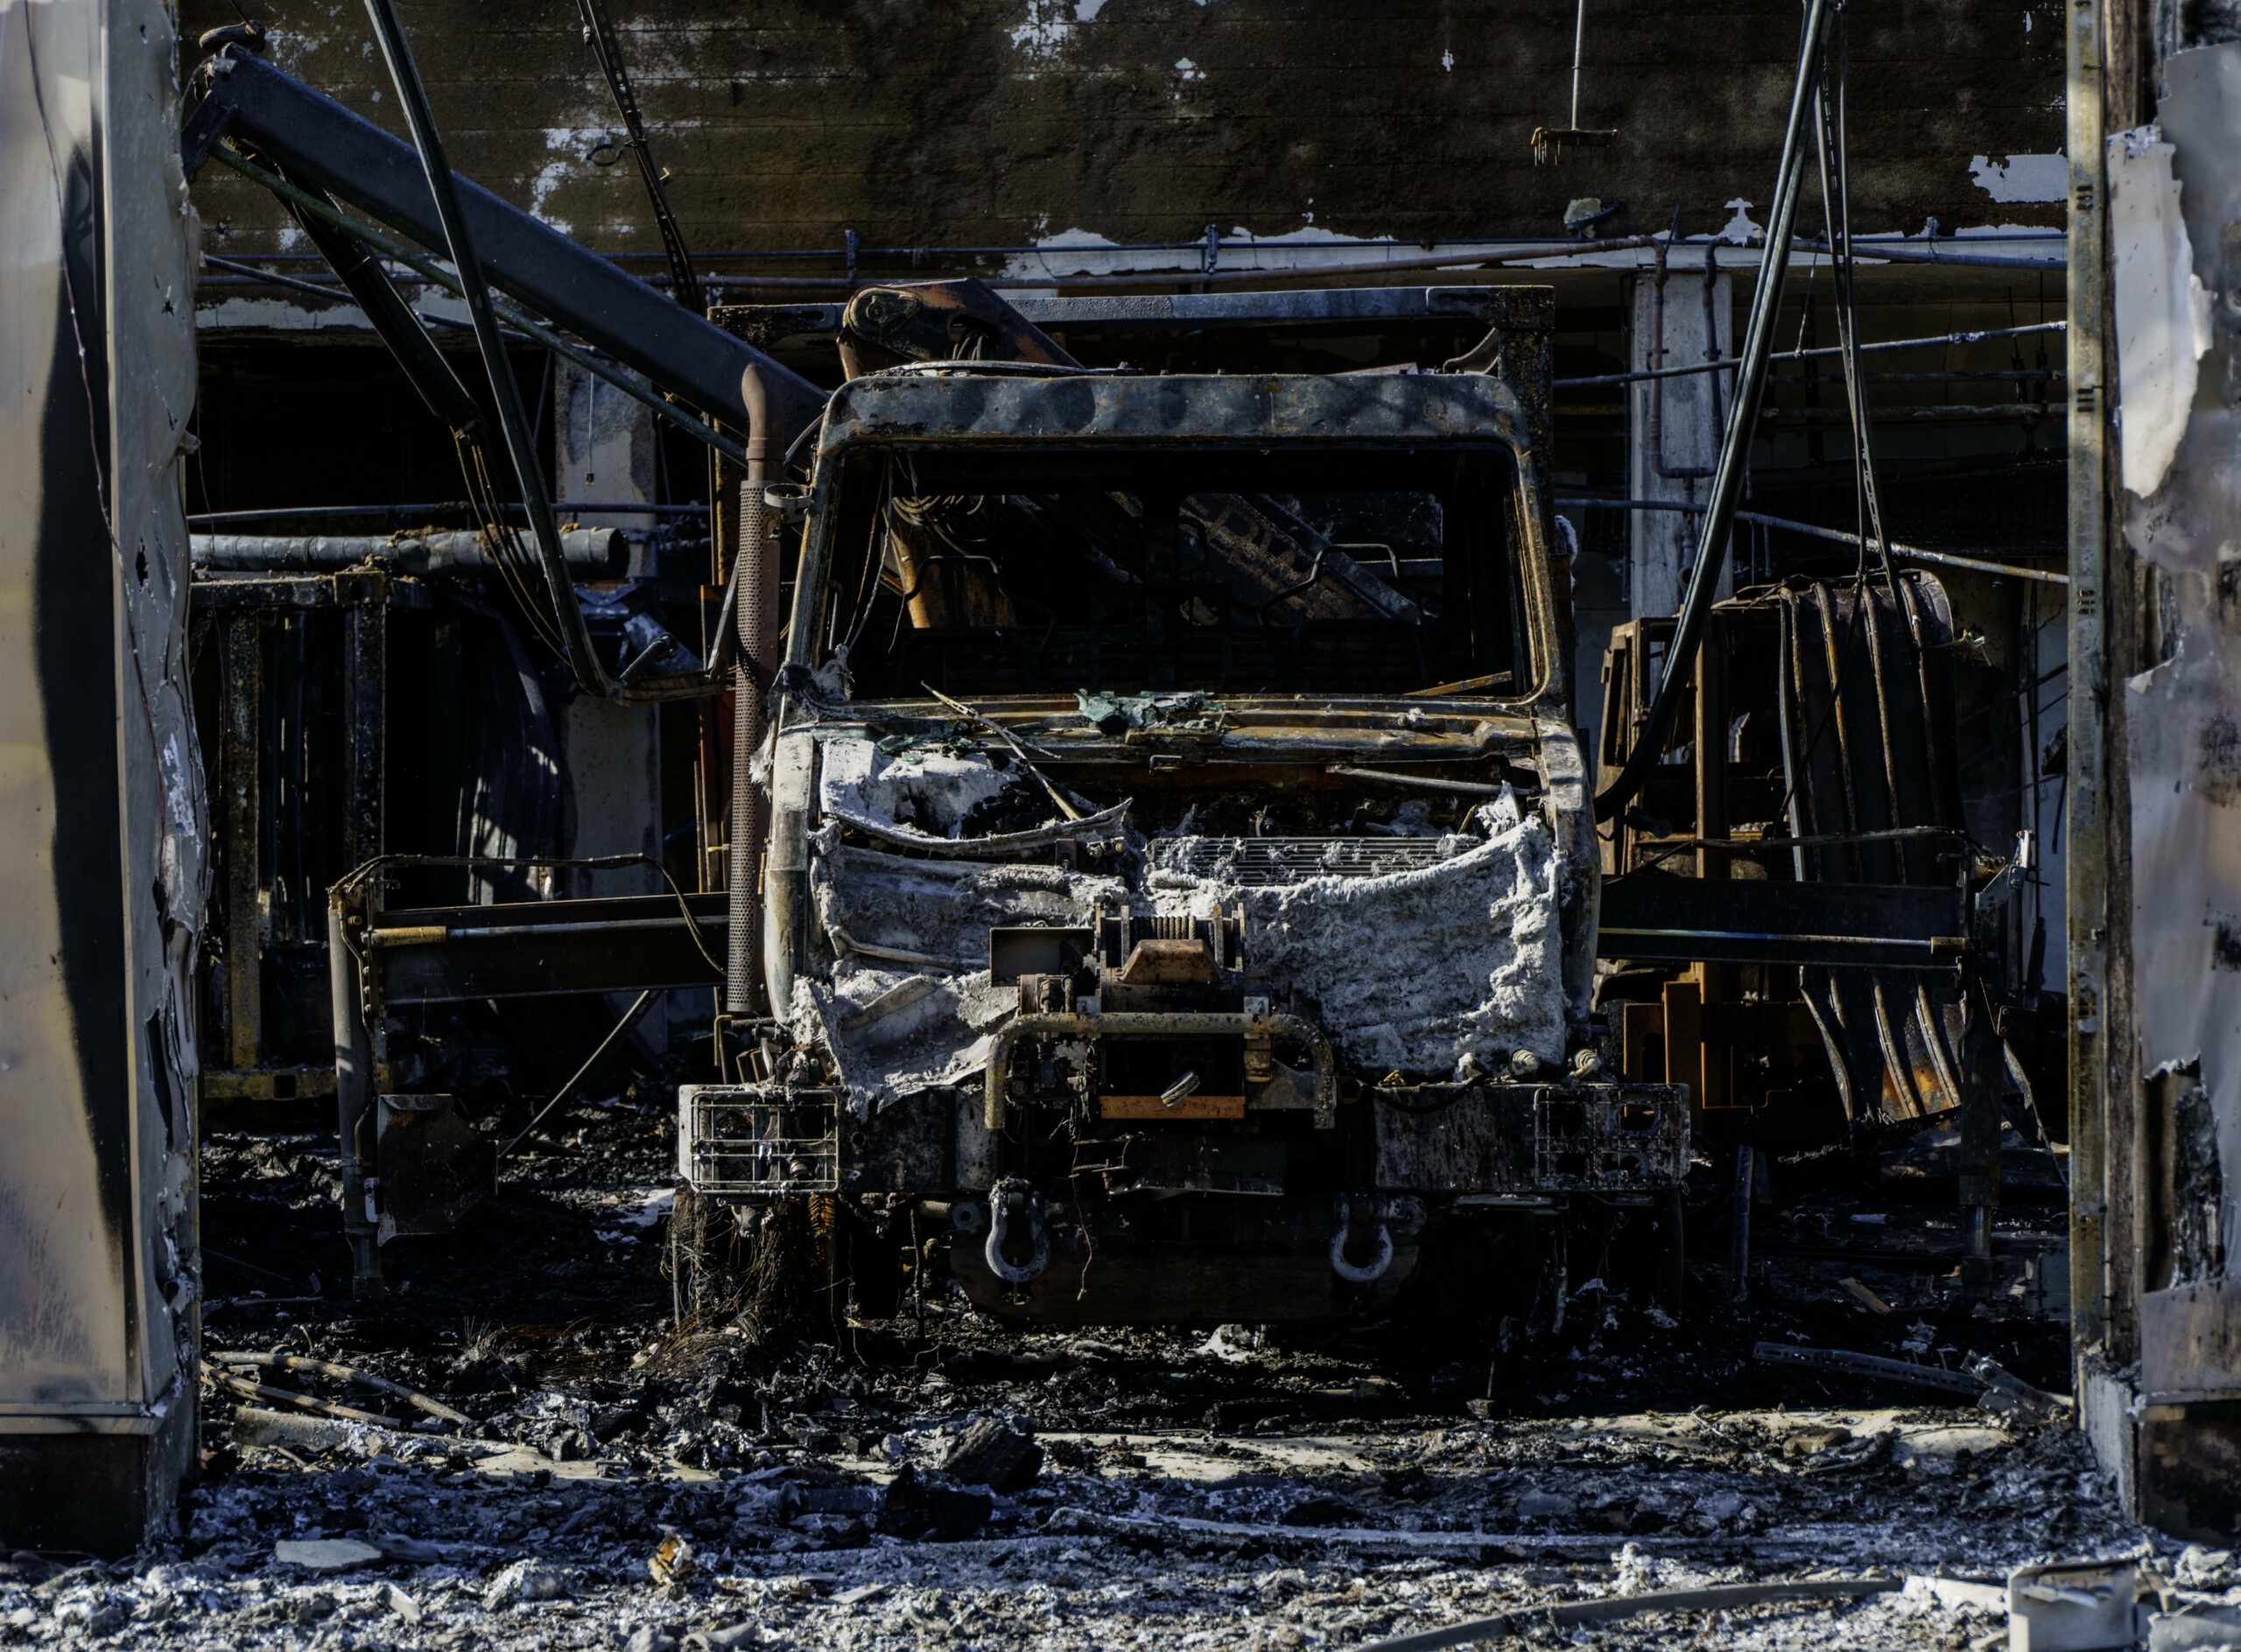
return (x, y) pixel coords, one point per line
(732, 1139)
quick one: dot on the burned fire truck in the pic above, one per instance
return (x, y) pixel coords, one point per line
(1162, 876)
(1178, 889)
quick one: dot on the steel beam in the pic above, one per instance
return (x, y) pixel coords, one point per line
(323, 145)
(530, 948)
(1652, 917)
(242, 758)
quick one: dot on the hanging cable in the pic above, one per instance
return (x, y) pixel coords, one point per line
(599, 34)
(513, 423)
(1742, 420)
(1837, 209)
(571, 636)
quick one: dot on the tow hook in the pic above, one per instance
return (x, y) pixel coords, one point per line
(1348, 1271)
(1001, 1198)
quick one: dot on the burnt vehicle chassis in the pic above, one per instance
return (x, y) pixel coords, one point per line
(1157, 1108)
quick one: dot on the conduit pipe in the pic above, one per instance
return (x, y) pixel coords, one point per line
(595, 553)
(1978, 337)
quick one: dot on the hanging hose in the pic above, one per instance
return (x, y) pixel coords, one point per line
(574, 639)
(513, 423)
(1742, 419)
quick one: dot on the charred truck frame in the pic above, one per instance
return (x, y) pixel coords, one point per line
(1222, 987)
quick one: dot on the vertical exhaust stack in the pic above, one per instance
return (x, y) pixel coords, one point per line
(760, 548)
(758, 638)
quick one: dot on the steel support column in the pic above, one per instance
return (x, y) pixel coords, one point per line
(365, 696)
(357, 1082)
(2086, 797)
(242, 758)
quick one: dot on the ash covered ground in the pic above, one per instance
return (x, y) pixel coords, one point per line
(942, 1479)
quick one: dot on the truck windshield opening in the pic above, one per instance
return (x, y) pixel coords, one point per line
(1028, 572)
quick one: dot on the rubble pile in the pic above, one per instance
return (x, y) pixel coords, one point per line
(623, 1480)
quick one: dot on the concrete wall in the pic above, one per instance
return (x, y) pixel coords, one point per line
(1020, 122)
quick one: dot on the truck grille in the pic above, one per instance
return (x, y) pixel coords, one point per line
(1261, 862)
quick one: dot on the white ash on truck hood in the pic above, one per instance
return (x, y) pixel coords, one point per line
(1423, 969)
(1432, 955)
(910, 1005)
(922, 792)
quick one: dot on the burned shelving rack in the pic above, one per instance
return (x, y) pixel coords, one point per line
(301, 766)
(1836, 897)
(1782, 780)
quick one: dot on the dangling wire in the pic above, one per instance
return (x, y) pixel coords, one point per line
(1717, 529)
(1835, 205)
(515, 570)
(607, 49)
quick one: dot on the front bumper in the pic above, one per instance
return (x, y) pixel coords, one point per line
(1437, 1142)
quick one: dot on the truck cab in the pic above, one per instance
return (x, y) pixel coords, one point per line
(1179, 896)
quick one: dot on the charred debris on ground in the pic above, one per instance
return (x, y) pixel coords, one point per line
(620, 1479)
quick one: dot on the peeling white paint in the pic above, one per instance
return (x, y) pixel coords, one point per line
(1739, 230)
(1188, 70)
(1047, 30)
(2185, 714)
(180, 786)
(2162, 309)
(2021, 178)
(1085, 252)
(1240, 236)
(568, 144)
(1447, 60)
(1076, 238)
(214, 315)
